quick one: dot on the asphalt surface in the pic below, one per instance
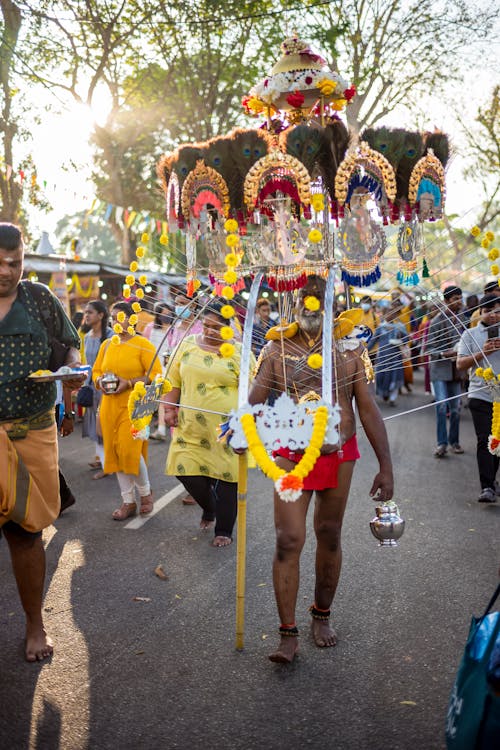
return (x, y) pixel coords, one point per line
(142, 662)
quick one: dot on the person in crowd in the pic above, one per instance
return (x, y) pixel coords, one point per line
(330, 477)
(444, 333)
(389, 337)
(262, 324)
(471, 305)
(29, 478)
(157, 332)
(491, 287)
(205, 387)
(370, 318)
(184, 323)
(145, 316)
(97, 330)
(480, 346)
(405, 307)
(420, 343)
(131, 361)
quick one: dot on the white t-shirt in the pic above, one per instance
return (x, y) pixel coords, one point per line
(471, 341)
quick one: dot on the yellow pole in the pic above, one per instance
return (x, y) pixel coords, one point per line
(241, 550)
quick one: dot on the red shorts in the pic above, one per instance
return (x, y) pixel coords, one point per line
(325, 472)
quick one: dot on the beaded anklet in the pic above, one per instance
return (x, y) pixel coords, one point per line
(289, 630)
(319, 614)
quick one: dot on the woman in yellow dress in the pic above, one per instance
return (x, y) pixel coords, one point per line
(205, 385)
(130, 361)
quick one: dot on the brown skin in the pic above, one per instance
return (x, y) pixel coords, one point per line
(290, 518)
(488, 316)
(27, 552)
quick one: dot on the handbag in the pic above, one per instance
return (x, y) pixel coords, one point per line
(474, 709)
(85, 396)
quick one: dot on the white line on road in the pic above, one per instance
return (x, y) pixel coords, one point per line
(162, 501)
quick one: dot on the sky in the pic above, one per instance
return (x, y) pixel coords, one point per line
(62, 139)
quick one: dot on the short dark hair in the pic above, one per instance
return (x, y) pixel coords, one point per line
(491, 286)
(10, 236)
(488, 301)
(451, 291)
(366, 298)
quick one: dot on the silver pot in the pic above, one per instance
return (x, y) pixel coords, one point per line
(387, 526)
(109, 382)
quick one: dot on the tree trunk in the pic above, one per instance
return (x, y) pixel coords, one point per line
(10, 191)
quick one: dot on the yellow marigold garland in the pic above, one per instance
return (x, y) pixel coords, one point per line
(289, 485)
(140, 426)
(494, 439)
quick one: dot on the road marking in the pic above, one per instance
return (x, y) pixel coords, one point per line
(162, 501)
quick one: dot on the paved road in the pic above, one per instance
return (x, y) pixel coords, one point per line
(164, 673)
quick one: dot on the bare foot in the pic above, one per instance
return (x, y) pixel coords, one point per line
(206, 525)
(322, 633)
(287, 650)
(222, 541)
(38, 644)
(188, 500)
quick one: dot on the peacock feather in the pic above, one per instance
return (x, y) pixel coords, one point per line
(440, 145)
(305, 143)
(390, 142)
(335, 144)
(246, 146)
(413, 150)
(185, 158)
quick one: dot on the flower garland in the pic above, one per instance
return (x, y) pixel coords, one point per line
(289, 485)
(140, 425)
(494, 439)
(487, 373)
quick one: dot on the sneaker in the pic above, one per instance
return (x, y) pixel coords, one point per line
(457, 448)
(487, 496)
(440, 451)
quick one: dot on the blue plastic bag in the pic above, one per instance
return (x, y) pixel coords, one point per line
(473, 718)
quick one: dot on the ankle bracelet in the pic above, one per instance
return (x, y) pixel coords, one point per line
(319, 614)
(289, 630)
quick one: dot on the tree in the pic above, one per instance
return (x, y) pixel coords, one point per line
(10, 190)
(95, 236)
(482, 154)
(396, 51)
(212, 54)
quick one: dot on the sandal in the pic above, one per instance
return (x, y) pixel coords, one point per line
(95, 464)
(126, 510)
(146, 504)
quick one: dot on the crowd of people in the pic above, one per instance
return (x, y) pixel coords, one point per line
(444, 337)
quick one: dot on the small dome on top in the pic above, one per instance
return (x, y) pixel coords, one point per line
(296, 56)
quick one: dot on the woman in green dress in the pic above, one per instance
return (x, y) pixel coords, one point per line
(205, 387)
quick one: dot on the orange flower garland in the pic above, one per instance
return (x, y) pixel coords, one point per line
(289, 485)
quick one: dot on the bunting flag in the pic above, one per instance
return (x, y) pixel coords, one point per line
(130, 218)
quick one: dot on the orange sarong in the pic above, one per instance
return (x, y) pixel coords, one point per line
(29, 478)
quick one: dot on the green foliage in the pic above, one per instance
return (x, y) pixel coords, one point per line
(95, 236)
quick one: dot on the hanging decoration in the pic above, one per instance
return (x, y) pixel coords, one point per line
(299, 195)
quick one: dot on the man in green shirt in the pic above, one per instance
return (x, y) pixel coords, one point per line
(31, 321)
